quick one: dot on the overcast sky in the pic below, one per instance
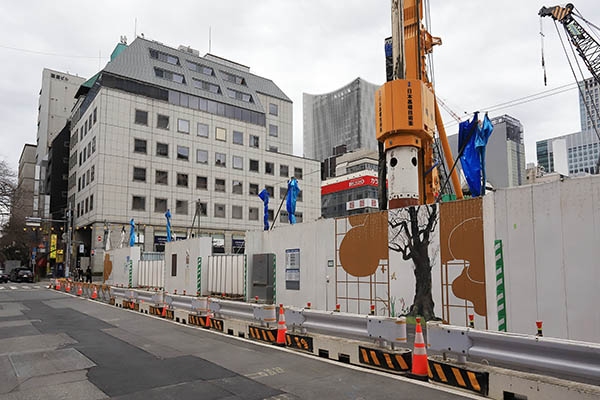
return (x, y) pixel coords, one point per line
(490, 52)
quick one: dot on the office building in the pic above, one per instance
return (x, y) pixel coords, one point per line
(505, 153)
(26, 180)
(583, 150)
(57, 173)
(343, 117)
(163, 128)
(353, 189)
(590, 101)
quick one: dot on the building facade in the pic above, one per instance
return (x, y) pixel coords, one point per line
(57, 173)
(583, 150)
(505, 153)
(353, 189)
(163, 128)
(342, 117)
(26, 183)
(590, 101)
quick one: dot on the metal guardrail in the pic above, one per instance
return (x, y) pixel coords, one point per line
(559, 356)
(233, 309)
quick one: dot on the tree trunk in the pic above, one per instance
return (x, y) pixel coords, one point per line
(423, 301)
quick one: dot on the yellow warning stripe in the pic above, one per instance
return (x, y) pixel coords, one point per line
(297, 341)
(388, 360)
(374, 356)
(429, 374)
(264, 336)
(401, 361)
(473, 380)
(365, 356)
(440, 372)
(288, 340)
(458, 377)
(271, 338)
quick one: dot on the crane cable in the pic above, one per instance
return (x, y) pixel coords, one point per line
(542, 43)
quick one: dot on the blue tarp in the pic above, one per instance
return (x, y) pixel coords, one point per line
(292, 194)
(132, 233)
(264, 196)
(168, 217)
(470, 159)
(481, 141)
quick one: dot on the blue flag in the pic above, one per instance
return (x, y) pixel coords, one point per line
(264, 196)
(168, 217)
(292, 194)
(470, 159)
(132, 233)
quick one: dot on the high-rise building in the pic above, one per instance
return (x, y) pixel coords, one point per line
(343, 117)
(160, 129)
(505, 153)
(583, 150)
(26, 180)
(590, 101)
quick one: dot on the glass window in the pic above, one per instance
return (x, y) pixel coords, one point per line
(162, 177)
(270, 190)
(220, 159)
(182, 180)
(298, 173)
(282, 192)
(159, 55)
(202, 130)
(203, 85)
(141, 117)
(203, 69)
(94, 144)
(273, 149)
(95, 114)
(202, 156)
(91, 202)
(92, 173)
(162, 149)
(221, 134)
(237, 187)
(284, 171)
(238, 137)
(181, 207)
(160, 205)
(219, 185)
(238, 162)
(139, 174)
(139, 146)
(169, 75)
(237, 212)
(273, 130)
(183, 153)
(299, 196)
(299, 217)
(229, 77)
(201, 182)
(283, 216)
(236, 94)
(253, 189)
(219, 210)
(162, 121)
(269, 168)
(253, 214)
(87, 204)
(273, 109)
(254, 165)
(202, 208)
(183, 125)
(138, 203)
(254, 141)
(270, 215)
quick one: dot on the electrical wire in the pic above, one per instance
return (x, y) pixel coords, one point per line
(43, 53)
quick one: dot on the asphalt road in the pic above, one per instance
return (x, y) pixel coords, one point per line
(55, 346)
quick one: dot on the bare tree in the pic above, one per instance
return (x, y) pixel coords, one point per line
(410, 232)
(8, 188)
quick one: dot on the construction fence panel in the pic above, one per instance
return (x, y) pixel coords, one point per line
(151, 273)
(226, 274)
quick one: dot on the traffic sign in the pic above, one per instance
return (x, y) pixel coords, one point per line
(99, 238)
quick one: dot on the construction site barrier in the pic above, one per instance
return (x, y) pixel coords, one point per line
(558, 356)
(232, 309)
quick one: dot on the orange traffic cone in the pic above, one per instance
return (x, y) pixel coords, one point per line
(58, 285)
(208, 316)
(419, 356)
(79, 291)
(68, 287)
(164, 313)
(95, 293)
(281, 328)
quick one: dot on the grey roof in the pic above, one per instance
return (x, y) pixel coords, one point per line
(135, 63)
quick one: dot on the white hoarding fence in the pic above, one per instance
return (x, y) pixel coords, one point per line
(151, 274)
(227, 275)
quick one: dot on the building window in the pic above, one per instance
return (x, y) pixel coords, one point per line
(88, 176)
(270, 190)
(273, 149)
(92, 173)
(183, 126)
(284, 171)
(203, 69)
(238, 162)
(219, 185)
(169, 75)
(254, 165)
(162, 121)
(229, 77)
(159, 55)
(80, 158)
(95, 114)
(182, 180)
(236, 94)
(162, 177)
(160, 205)
(162, 149)
(183, 153)
(139, 146)
(87, 203)
(94, 144)
(238, 137)
(202, 130)
(270, 215)
(79, 184)
(273, 109)
(237, 212)
(283, 217)
(139, 174)
(141, 117)
(254, 141)
(219, 210)
(91, 202)
(298, 173)
(269, 168)
(273, 130)
(202, 156)
(299, 196)
(282, 192)
(220, 159)
(202, 209)
(181, 207)
(253, 189)
(201, 182)
(203, 85)
(221, 134)
(253, 214)
(237, 187)
(299, 217)
(138, 203)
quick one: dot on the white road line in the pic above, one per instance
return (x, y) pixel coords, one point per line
(13, 287)
(24, 287)
(1, 287)
(36, 287)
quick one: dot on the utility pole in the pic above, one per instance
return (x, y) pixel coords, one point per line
(68, 249)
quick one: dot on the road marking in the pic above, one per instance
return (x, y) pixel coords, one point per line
(37, 287)
(1, 287)
(13, 287)
(25, 287)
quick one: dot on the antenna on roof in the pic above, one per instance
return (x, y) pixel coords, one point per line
(209, 39)
(135, 28)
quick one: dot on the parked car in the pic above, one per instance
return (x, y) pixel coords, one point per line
(3, 277)
(21, 275)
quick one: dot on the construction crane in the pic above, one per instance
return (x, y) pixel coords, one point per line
(407, 113)
(586, 46)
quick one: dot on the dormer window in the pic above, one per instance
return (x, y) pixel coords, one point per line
(159, 55)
